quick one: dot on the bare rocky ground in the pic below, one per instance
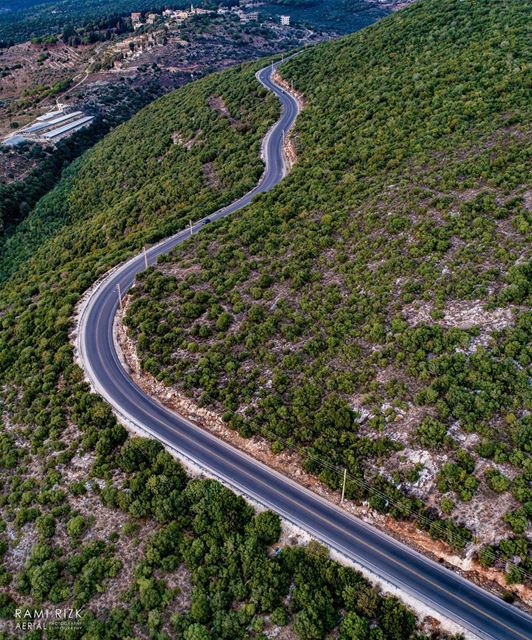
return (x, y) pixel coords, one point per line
(484, 512)
(14, 166)
(27, 70)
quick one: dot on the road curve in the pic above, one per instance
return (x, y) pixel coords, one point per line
(443, 590)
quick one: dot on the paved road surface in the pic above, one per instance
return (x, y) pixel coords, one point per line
(442, 589)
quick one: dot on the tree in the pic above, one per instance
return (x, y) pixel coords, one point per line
(497, 481)
(77, 526)
(138, 454)
(486, 556)
(199, 606)
(367, 601)
(518, 519)
(308, 625)
(215, 509)
(7, 605)
(432, 433)
(196, 632)
(266, 526)
(354, 627)
(43, 578)
(397, 622)
(268, 584)
(46, 526)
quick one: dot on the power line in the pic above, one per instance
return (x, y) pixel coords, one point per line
(416, 516)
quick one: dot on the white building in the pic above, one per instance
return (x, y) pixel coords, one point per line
(176, 14)
(285, 21)
(50, 127)
(198, 12)
(135, 20)
(253, 16)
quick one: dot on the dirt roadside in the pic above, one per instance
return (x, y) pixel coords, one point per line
(289, 148)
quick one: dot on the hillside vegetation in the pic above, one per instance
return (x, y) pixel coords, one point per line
(338, 16)
(189, 153)
(301, 285)
(372, 312)
(156, 554)
(94, 519)
(24, 19)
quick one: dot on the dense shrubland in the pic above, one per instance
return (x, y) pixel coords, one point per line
(209, 568)
(279, 274)
(91, 518)
(373, 310)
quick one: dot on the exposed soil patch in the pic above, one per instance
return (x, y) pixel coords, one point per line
(470, 568)
(179, 139)
(218, 104)
(460, 314)
(211, 177)
(14, 166)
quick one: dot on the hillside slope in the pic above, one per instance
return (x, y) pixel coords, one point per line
(91, 518)
(371, 313)
(192, 151)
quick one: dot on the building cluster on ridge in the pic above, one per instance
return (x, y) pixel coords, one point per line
(245, 11)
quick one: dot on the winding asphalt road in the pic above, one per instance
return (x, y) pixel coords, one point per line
(443, 590)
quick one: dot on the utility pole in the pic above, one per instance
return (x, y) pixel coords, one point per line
(343, 485)
(119, 295)
(145, 258)
(190, 226)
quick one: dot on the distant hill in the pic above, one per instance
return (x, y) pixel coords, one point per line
(338, 16)
(24, 19)
(372, 311)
